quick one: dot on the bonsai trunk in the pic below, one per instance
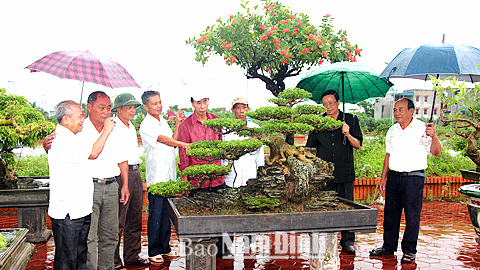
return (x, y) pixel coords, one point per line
(473, 148)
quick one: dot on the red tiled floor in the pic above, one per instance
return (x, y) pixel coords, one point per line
(446, 241)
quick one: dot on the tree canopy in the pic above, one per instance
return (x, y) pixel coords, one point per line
(273, 43)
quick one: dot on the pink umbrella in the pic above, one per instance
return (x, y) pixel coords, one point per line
(85, 67)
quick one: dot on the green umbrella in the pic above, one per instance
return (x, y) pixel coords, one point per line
(352, 81)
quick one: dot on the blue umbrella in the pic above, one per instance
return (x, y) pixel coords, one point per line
(439, 60)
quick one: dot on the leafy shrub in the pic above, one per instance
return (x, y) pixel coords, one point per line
(32, 166)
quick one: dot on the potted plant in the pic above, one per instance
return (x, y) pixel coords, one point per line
(466, 126)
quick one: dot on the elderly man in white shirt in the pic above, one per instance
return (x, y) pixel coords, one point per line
(246, 166)
(130, 214)
(160, 166)
(403, 178)
(71, 186)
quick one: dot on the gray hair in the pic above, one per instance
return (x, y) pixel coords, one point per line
(147, 95)
(64, 108)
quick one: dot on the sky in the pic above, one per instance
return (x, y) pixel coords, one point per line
(148, 39)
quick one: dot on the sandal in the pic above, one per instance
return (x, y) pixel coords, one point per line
(139, 262)
(172, 253)
(380, 251)
(408, 258)
(119, 267)
(156, 259)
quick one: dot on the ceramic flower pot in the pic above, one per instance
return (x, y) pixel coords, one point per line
(473, 194)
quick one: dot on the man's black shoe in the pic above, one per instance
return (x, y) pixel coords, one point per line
(380, 251)
(349, 249)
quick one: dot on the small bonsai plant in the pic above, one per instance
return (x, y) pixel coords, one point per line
(20, 125)
(291, 174)
(466, 126)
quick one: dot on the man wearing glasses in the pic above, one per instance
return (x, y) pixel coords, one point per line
(337, 146)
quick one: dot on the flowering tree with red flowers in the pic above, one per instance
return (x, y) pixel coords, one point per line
(274, 45)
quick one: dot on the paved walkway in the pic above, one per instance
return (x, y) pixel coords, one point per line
(446, 241)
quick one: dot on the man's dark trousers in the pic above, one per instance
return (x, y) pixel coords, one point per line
(130, 219)
(158, 225)
(402, 193)
(344, 190)
(70, 236)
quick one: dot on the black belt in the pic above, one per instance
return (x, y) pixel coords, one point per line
(133, 167)
(104, 181)
(412, 173)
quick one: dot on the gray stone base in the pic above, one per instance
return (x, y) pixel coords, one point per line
(201, 255)
(324, 251)
(35, 220)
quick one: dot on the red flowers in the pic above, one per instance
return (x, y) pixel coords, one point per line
(283, 61)
(324, 53)
(232, 58)
(286, 30)
(273, 27)
(292, 17)
(305, 51)
(312, 37)
(204, 37)
(344, 39)
(224, 44)
(299, 23)
(228, 46)
(288, 56)
(286, 21)
(276, 41)
(357, 51)
(349, 47)
(283, 52)
(264, 38)
(186, 42)
(269, 32)
(208, 27)
(262, 27)
(231, 16)
(199, 40)
(328, 15)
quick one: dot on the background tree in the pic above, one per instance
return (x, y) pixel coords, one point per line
(274, 45)
(368, 108)
(20, 125)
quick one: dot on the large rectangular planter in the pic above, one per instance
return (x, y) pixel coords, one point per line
(18, 252)
(361, 219)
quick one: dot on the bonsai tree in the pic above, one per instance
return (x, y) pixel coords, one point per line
(20, 125)
(466, 126)
(273, 43)
(291, 173)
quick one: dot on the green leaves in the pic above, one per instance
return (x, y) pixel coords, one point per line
(207, 171)
(273, 45)
(215, 150)
(170, 188)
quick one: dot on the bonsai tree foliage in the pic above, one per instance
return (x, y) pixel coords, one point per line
(20, 124)
(273, 44)
(285, 162)
(466, 127)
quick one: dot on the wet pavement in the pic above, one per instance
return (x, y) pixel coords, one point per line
(446, 241)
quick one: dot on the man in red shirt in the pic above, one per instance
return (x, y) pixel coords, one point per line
(191, 130)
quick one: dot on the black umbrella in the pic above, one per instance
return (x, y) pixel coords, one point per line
(439, 60)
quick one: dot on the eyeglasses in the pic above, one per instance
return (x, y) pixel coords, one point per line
(330, 104)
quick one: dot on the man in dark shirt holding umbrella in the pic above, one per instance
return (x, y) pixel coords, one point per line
(337, 146)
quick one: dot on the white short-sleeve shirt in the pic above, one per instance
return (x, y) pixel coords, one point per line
(160, 164)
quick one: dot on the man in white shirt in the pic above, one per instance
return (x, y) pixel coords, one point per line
(130, 214)
(71, 186)
(403, 177)
(160, 166)
(246, 166)
(110, 165)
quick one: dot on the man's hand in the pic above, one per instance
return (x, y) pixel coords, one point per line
(345, 128)
(383, 184)
(180, 116)
(108, 124)
(185, 145)
(431, 130)
(125, 195)
(47, 141)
